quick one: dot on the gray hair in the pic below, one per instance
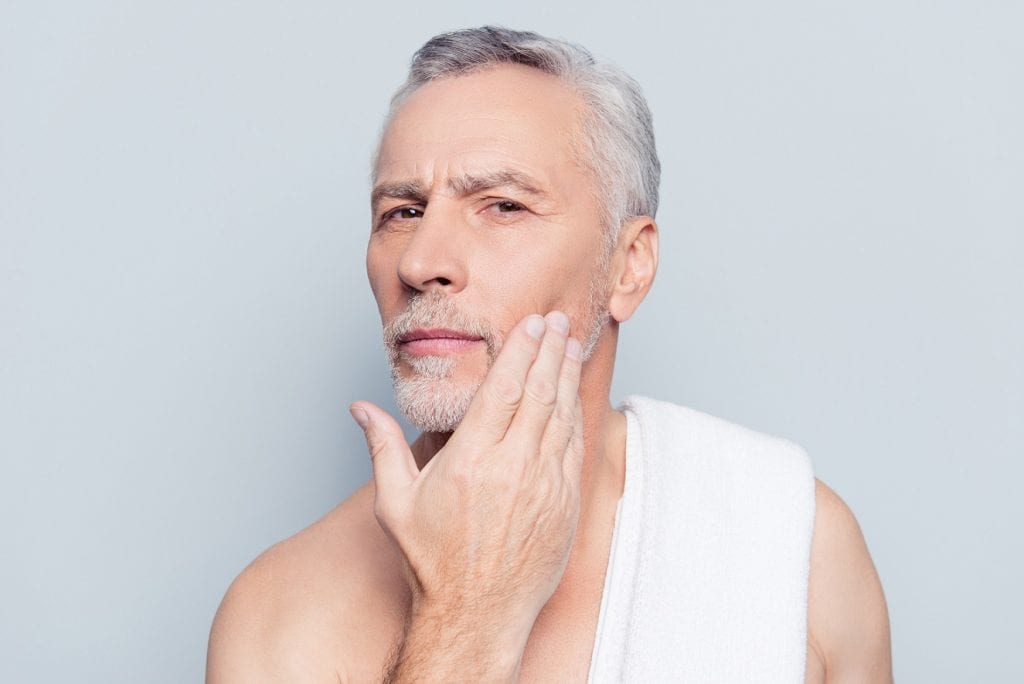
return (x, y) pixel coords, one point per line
(616, 141)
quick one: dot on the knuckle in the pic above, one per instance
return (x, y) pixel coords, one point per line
(542, 390)
(565, 415)
(377, 448)
(507, 389)
(544, 490)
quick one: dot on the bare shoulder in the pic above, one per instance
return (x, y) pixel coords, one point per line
(847, 620)
(307, 602)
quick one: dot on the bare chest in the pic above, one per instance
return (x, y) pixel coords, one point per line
(559, 648)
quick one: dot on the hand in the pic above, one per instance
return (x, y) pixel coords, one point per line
(486, 527)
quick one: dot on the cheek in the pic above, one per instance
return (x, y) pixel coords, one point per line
(373, 274)
(528, 282)
(380, 272)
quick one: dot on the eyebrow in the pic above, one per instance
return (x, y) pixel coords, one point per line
(461, 186)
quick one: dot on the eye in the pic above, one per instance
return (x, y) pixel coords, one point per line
(504, 211)
(505, 206)
(403, 213)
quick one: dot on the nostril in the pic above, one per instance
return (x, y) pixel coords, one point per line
(444, 281)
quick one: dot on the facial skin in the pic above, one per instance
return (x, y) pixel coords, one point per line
(481, 216)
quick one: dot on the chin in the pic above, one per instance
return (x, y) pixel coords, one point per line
(430, 397)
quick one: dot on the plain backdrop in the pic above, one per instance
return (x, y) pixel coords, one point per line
(184, 314)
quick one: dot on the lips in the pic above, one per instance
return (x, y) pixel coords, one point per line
(437, 341)
(437, 334)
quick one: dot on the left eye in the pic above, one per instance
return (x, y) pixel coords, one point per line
(506, 206)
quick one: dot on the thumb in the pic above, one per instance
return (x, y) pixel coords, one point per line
(393, 464)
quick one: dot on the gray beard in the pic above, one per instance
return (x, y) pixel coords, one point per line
(430, 398)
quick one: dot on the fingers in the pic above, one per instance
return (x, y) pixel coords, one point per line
(534, 381)
(393, 465)
(541, 392)
(562, 422)
(498, 398)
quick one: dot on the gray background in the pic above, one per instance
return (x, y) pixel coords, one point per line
(185, 315)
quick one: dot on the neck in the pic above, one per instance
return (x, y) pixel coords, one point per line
(604, 435)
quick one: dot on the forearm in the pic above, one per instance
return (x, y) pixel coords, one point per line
(450, 645)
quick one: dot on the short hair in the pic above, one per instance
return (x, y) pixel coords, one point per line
(616, 141)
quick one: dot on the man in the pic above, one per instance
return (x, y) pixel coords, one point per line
(513, 231)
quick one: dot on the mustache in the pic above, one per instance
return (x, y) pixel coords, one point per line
(436, 310)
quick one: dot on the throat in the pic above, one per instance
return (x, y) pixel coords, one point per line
(427, 445)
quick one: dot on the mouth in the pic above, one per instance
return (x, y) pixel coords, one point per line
(437, 342)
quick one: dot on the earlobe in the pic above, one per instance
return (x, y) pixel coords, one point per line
(635, 266)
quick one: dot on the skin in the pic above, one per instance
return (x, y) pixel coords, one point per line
(481, 554)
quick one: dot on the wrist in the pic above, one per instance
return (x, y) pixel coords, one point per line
(454, 642)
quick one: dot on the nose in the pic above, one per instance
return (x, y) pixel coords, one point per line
(433, 258)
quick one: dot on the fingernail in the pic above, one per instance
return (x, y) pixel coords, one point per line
(559, 321)
(360, 416)
(535, 326)
(573, 349)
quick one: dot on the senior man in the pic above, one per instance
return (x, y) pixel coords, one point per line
(533, 531)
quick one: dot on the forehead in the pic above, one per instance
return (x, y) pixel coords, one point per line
(508, 116)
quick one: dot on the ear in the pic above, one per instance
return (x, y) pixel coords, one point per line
(633, 266)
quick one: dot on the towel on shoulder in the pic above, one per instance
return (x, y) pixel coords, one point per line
(707, 580)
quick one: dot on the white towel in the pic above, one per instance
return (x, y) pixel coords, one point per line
(707, 579)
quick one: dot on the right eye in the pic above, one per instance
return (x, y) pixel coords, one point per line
(404, 213)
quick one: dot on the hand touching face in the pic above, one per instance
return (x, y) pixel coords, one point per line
(486, 527)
